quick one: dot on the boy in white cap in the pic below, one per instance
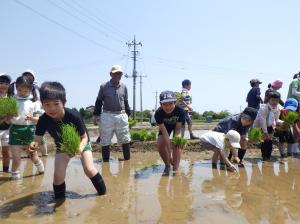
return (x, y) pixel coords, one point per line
(219, 143)
(112, 104)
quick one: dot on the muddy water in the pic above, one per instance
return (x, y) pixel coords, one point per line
(138, 193)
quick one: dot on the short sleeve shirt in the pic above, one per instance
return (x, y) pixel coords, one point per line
(214, 138)
(169, 120)
(252, 99)
(232, 123)
(294, 84)
(53, 127)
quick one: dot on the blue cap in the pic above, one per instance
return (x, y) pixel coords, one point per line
(291, 104)
(167, 96)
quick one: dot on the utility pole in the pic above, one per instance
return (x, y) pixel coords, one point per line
(156, 93)
(134, 73)
(141, 95)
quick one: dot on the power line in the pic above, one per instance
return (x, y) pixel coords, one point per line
(65, 27)
(86, 13)
(83, 21)
(109, 25)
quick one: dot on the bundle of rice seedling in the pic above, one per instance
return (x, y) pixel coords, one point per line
(143, 135)
(151, 136)
(290, 117)
(8, 107)
(179, 141)
(255, 135)
(132, 123)
(70, 140)
(135, 136)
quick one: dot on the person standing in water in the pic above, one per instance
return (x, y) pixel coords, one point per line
(112, 104)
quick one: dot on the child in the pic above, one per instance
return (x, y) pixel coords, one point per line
(169, 118)
(240, 123)
(21, 132)
(274, 86)
(53, 98)
(267, 119)
(31, 76)
(185, 103)
(253, 98)
(5, 123)
(220, 142)
(284, 132)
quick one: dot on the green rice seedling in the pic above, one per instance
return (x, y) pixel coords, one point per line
(291, 117)
(179, 141)
(255, 135)
(70, 140)
(135, 136)
(8, 107)
(143, 134)
(132, 123)
(151, 136)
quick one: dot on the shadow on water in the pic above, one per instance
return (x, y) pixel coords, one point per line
(43, 203)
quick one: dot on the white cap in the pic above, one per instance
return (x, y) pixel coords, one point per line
(234, 138)
(6, 75)
(116, 68)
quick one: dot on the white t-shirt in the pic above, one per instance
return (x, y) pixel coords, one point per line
(217, 139)
(25, 107)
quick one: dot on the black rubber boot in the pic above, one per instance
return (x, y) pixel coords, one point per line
(263, 150)
(105, 153)
(270, 149)
(59, 190)
(230, 156)
(99, 184)
(126, 151)
(241, 154)
(5, 169)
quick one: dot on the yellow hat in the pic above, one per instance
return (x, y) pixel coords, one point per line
(116, 68)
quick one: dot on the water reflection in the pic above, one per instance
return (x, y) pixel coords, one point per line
(138, 193)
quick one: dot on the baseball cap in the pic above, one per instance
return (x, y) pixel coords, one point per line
(291, 104)
(234, 138)
(116, 68)
(4, 75)
(255, 81)
(167, 96)
(250, 112)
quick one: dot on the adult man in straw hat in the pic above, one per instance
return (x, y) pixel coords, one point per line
(112, 105)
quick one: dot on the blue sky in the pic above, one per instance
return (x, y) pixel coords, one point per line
(219, 45)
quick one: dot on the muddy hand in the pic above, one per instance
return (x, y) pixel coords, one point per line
(33, 146)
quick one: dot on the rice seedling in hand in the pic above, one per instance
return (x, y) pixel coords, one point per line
(70, 140)
(291, 117)
(255, 135)
(8, 107)
(179, 142)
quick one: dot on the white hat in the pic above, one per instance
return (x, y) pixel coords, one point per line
(6, 75)
(116, 68)
(234, 138)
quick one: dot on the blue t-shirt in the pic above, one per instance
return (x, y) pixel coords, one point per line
(252, 99)
(232, 122)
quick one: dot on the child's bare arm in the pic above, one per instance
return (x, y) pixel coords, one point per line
(165, 135)
(83, 142)
(227, 162)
